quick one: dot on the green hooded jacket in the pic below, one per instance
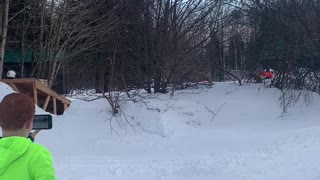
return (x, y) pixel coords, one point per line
(21, 159)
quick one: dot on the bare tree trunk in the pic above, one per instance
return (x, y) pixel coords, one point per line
(39, 62)
(57, 49)
(3, 31)
(235, 54)
(24, 47)
(23, 52)
(112, 96)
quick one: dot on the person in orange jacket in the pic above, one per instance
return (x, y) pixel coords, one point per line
(20, 158)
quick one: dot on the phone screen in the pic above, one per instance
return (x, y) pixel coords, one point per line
(43, 121)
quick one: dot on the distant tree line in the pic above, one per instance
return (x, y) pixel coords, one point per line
(124, 44)
(286, 37)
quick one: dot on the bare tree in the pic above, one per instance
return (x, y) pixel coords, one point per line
(3, 30)
(71, 28)
(180, 31)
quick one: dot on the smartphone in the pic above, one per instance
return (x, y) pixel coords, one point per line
(42, 121)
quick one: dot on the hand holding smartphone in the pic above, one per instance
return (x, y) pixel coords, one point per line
(43, 121)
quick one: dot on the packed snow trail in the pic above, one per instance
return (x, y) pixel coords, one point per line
(292, 160)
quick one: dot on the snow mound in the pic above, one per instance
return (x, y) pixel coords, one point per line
(227, 132)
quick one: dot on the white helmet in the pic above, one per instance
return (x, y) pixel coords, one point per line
(11, 74)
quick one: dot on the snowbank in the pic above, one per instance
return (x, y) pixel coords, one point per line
(226, 132)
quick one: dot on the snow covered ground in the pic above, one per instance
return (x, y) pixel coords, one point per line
(224, 133)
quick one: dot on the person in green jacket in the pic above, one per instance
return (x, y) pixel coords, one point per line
(20, 158)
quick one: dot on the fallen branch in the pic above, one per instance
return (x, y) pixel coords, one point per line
(232, 75)
(214, 113)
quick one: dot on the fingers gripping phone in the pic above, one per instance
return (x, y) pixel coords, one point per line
(43, 121)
